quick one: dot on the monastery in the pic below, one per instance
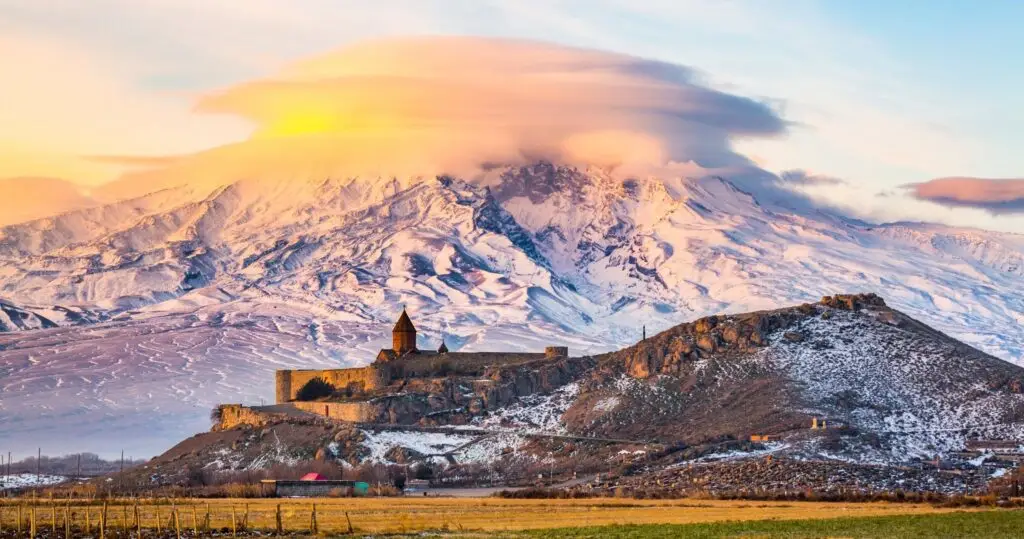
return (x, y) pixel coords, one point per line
(403, 361)
(406, 385)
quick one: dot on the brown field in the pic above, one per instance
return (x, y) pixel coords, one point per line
(411, 514)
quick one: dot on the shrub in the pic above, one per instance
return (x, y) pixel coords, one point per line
(317, 388)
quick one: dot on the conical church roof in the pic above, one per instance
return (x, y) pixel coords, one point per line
(404, 324)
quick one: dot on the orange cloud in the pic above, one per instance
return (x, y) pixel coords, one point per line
(426, 105)
(28, 198)
(994, 195)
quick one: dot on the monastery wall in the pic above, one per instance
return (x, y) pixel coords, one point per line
(356, 412)
(233, 415)
(288, 383)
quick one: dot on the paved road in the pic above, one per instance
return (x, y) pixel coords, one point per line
(481, 492)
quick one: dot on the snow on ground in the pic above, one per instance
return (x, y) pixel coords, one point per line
(23, 480)
(533, 413)
(919, 392)
(530, 414)
(769, 448)
(426, 443)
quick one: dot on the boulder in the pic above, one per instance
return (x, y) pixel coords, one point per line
(705, 324)
(793, 336)
(707, 343)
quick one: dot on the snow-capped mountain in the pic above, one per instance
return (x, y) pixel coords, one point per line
(193, 297)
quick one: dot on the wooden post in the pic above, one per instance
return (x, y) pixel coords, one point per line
(103, 522)
(124, 518)
(158, 520)
(195, 528)
(279, 523)
(88, 518)
(245, 521)
(20, 519)
(67, 523)
(138, 520)
(32, 522)
(234, 525)
(53, 519)
(207, 524)
(349, 520)
(312, 519)
(177, 525)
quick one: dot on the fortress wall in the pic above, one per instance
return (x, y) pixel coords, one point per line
(233, 415)
(355, 412)
(460, 363)
(288, 383)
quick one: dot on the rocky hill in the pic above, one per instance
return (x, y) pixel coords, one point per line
(884, 389)
(892, 388)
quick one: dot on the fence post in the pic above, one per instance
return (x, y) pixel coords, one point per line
(53, 517)
(207, 520)
(157, 508)
(32, 522)
(88, 518)
(245, 521)
(103, 522)
(138, 520)
(234, 525)
(124, 518)
(349, 520)
(195, 528)
(280, 529)
(177, 525)
(67, 523)
(20, 518)
(312, 519)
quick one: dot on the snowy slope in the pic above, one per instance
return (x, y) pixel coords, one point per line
(204, 293)
(924, 395)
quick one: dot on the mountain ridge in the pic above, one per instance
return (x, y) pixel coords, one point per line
(517, 258)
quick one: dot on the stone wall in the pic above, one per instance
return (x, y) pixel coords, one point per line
(355, 412)
(458, 363)
(288, 383)
(233, 415)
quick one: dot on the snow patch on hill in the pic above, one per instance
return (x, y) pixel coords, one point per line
(921, 394)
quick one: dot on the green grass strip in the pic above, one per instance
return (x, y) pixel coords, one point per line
(988, 524)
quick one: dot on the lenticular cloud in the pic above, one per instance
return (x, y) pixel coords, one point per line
(997, 196)
(443, 104)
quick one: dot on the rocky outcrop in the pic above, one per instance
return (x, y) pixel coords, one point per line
(723, 335)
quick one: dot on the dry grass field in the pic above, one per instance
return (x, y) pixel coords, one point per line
(412, 514)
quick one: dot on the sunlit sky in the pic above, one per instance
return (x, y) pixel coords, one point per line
(876, 94)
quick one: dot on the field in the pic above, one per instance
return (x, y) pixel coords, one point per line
(411, 514)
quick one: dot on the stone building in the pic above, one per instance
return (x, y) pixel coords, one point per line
(403, 361)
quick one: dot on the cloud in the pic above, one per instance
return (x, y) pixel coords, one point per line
(997, 196)
(450, 103)
(803, 178)
(61, 103)
(27, 198)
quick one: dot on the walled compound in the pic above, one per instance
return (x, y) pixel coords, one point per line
(406, 385)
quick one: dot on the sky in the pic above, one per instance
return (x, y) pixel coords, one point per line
(910, 110)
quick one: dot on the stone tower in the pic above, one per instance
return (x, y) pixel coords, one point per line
(403, 337)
